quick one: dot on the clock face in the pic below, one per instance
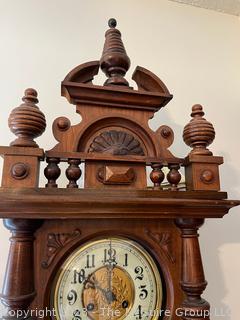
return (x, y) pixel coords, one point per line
(108, 279)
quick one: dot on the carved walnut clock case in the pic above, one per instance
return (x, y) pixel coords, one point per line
(114, 249)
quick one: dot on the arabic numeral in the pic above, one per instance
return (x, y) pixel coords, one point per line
(109, 256)
(125, 260)
(143, 293)
(77, 315)
(78, 276)
(90, 261)
(72, 297)
(139, 313)
(139, 273)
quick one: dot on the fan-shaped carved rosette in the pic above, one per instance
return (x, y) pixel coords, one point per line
(116, 143)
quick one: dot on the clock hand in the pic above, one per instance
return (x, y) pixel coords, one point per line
(109, 279)
(110, 267)
(109, 295)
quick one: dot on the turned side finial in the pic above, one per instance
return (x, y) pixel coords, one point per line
(198, 133)
(114, 61)
(27, 122)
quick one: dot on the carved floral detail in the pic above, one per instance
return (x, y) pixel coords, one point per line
(55, 242)
(164, 240)
(116, 143)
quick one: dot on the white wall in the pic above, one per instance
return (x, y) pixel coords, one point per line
(196, 52)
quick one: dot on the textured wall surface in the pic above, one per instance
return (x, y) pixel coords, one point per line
(195, 52)
(226, 6)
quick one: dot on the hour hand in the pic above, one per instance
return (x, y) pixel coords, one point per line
(110, 296)
(91, 282)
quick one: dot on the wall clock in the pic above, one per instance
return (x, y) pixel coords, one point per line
(115, 249)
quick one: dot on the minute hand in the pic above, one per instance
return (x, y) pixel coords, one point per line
(108, 294)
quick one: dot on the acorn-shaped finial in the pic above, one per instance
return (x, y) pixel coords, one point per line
(114, 61)
(198, 133)
(27, 122)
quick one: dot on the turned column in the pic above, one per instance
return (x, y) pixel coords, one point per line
(193, 281)
(18, 289)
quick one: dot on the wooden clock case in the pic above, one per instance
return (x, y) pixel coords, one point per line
(115, 144)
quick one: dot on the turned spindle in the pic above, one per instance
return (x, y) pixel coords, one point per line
(52, 172)
(173, 176)
(73, 172)
(157, 175)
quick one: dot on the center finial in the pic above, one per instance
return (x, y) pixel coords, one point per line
(112, 23)
(114, 61)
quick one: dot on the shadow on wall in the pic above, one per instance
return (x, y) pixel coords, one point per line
(178, 148)
(216, 232)
(213, 236)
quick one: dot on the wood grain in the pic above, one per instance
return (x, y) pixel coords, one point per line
(115, 144)
(122, 204)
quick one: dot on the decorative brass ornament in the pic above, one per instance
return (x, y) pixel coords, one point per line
(121, 295)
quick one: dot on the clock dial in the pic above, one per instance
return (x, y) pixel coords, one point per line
(108, 279)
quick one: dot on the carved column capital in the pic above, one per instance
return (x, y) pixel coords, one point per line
(189, 224)
(22, 225)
